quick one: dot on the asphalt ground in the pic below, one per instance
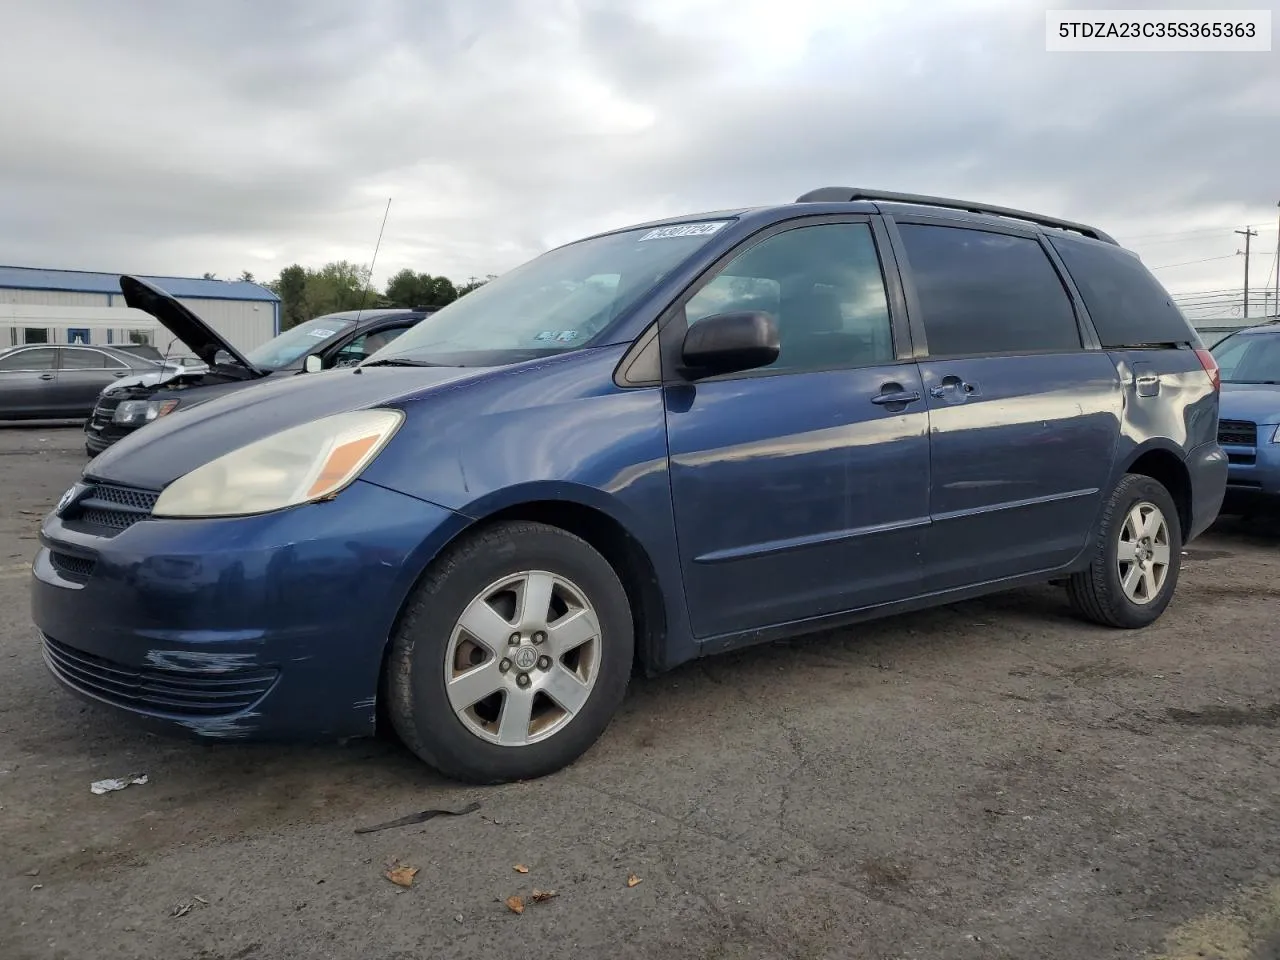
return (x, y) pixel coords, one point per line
(991, 779)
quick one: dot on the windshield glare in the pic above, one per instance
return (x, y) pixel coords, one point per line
(296, 341)
(1249, 358)
(554, 303)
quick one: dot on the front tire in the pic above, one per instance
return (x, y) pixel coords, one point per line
(1137, 558)
(512, 655)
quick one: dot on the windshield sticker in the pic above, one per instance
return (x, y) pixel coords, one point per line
(546, 335)
(567, 336)
(684, 230)
(320, 334)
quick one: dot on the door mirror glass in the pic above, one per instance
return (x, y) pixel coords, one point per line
(730, 343)
(312, 363)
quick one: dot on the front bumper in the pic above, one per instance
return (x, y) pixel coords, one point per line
(267, 627)
(1254, 470)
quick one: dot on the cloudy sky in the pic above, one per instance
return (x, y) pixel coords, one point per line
(168, 136)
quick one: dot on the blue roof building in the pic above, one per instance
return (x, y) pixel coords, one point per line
(246, 313)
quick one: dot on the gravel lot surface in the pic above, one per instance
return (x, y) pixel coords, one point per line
(992, 779)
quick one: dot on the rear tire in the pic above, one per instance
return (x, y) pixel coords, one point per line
(489, 677)
(1137, 558)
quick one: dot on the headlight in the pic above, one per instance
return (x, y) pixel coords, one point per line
(298, 465)
(143, 411)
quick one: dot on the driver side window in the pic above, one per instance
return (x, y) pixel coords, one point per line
(824, 288)
(365, 346)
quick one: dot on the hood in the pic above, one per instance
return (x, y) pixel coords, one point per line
(200, 338)
(1259, 402)
(159, 453)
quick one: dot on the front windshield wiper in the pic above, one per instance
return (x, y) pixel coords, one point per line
(398, 362)
(1271, 383)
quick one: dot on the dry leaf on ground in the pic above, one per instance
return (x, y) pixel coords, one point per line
(520, 868)
(632, 880)
(542, 896)
(515, 904)
(401, 875)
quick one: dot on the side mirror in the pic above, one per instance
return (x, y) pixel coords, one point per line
(312, 364)
(729, 343)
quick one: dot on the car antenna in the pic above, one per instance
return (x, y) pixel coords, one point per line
(369, 279)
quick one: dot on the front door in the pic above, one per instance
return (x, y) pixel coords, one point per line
(27, 381)
(1023, 420)
(798, 491)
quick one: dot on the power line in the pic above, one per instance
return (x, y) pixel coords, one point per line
(1187, 263)
(1187, 233)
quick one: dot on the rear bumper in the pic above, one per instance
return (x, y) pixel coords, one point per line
(1207, 467)
(268, 627)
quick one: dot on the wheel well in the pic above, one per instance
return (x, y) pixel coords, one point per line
(1165, 468)
(623, 552)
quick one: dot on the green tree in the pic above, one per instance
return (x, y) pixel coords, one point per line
(409, 289)
(305, 293)
(291, 288)
(246, 277)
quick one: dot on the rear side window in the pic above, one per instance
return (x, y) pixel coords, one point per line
(1128, 305)
(73, 359)
(985, 293)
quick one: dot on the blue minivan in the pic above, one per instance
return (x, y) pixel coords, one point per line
(643, 447)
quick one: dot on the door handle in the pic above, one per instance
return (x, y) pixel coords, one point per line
(901, 396)
(46, 376)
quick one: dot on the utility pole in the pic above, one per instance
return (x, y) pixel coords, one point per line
(1247, 233)
(1277, 266)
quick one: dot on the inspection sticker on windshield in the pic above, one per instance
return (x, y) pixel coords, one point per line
(685, 230)
(320, 334)
(563, 336)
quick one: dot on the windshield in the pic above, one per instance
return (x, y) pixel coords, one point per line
(554, 303)
(296, 341)
(1249, 358)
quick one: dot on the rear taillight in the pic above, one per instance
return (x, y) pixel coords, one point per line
(1210, 367)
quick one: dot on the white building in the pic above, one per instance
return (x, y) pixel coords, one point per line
(73, 306)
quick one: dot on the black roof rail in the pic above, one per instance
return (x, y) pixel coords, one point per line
(850, 194)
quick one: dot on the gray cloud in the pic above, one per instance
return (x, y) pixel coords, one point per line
(182, 137)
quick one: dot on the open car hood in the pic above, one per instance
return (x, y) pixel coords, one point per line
(200, 338)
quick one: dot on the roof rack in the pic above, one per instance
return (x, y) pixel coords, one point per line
(849, 194)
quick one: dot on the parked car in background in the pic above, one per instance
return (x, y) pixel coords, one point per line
(334, 340)
(51, 381)
(1249, 424)
(647, 446)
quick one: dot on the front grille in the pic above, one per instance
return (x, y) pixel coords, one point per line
(1240, 433)
(73, 568)
(163, 692)
(109, 508)
(105, 409)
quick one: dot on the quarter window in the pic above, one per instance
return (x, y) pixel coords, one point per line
(823, 286)
(987, 293)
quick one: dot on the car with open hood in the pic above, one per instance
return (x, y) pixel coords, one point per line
(650, 445)
(1249, 424)
(334, 340)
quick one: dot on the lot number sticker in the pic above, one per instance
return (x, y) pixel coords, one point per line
(684, 230)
